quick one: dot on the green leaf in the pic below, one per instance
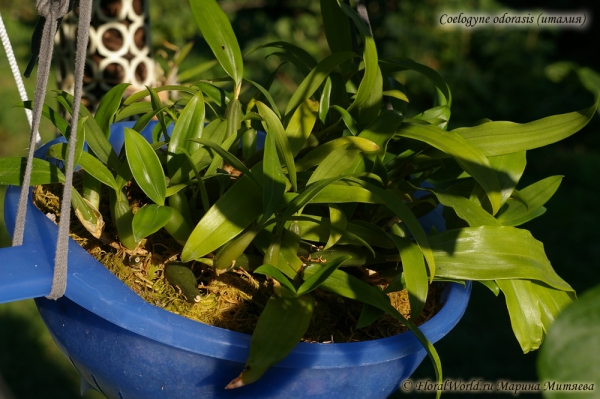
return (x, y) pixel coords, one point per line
(267, 95)
(498, 138)
(190, 125)
(301, 125)
(472, 160)
(218, 33)
(299, 53)
(89, 163)
(337, 163)
(348, 286)
(316, 279)
(493, 253)
(281, 325)
(12, 170)
(372, 74)
(273, 177)
(337, 29)
(227, 218)
(52, 115)
(469, 211)
(149, 219)
(316, 156)
(315, 78)
(382, 129)
(274, 127)
(339, 222)
(524, 312)
(509, 169)
(145, 166)
(108, 107)
(534, 196)
(409, 219)
(347, 118)
(415, 274)
(229, 157)
(569, 355)
(394, 64)
(275, 273)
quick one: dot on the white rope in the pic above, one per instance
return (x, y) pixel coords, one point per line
(14, 67)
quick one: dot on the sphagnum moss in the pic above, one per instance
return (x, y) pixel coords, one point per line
(232, 301)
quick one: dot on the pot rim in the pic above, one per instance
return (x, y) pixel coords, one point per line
(92, 286)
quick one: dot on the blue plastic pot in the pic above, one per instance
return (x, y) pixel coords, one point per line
(127, 348)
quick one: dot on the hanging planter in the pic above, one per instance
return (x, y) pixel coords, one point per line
(125, 347)
(331, 204)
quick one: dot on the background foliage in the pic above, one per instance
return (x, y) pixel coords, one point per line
(496, 73)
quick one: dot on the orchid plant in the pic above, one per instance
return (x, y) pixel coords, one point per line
(338, 184)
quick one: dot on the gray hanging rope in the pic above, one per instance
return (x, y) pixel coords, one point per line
(52, 11)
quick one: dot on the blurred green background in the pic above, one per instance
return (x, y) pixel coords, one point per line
(495, 72)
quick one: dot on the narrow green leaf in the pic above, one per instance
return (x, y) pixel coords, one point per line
(267, 95)
(225, 219)
(493, 253)
(337, 29)
(509, 169)
(498, 138)
(315, 78)
(145, 166)
(89, 163)
(281, 325)
(301, 125)
(316, 156)
(52, 115)
(524, 312)
(233, 117)
(190, 125)
(12, 170)
(272, 271)
(348, 286)
(405, 214)
(229, 157)
(395, 64)
(273, 177)
(534, 196)
(108, 107)
(551, 301)
(415, 274)
(467, 210)
(347, 118)
(218, 33)
(149, 219)
(382, 129)
(298, 52)
(274, 127)
(472, 160)
(339, 222)
(337, 163)
(372, 74)
(316, 279)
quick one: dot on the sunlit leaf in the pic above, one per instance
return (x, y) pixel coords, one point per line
(470, 158)
(149, 219)
(315, 78)
(218, 33)
(225, 219)
(145, 166)
(498, 138)
(531, 199)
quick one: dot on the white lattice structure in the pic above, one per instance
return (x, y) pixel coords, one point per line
(119, 50)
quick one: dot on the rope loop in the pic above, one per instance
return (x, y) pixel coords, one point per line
(52, 9)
